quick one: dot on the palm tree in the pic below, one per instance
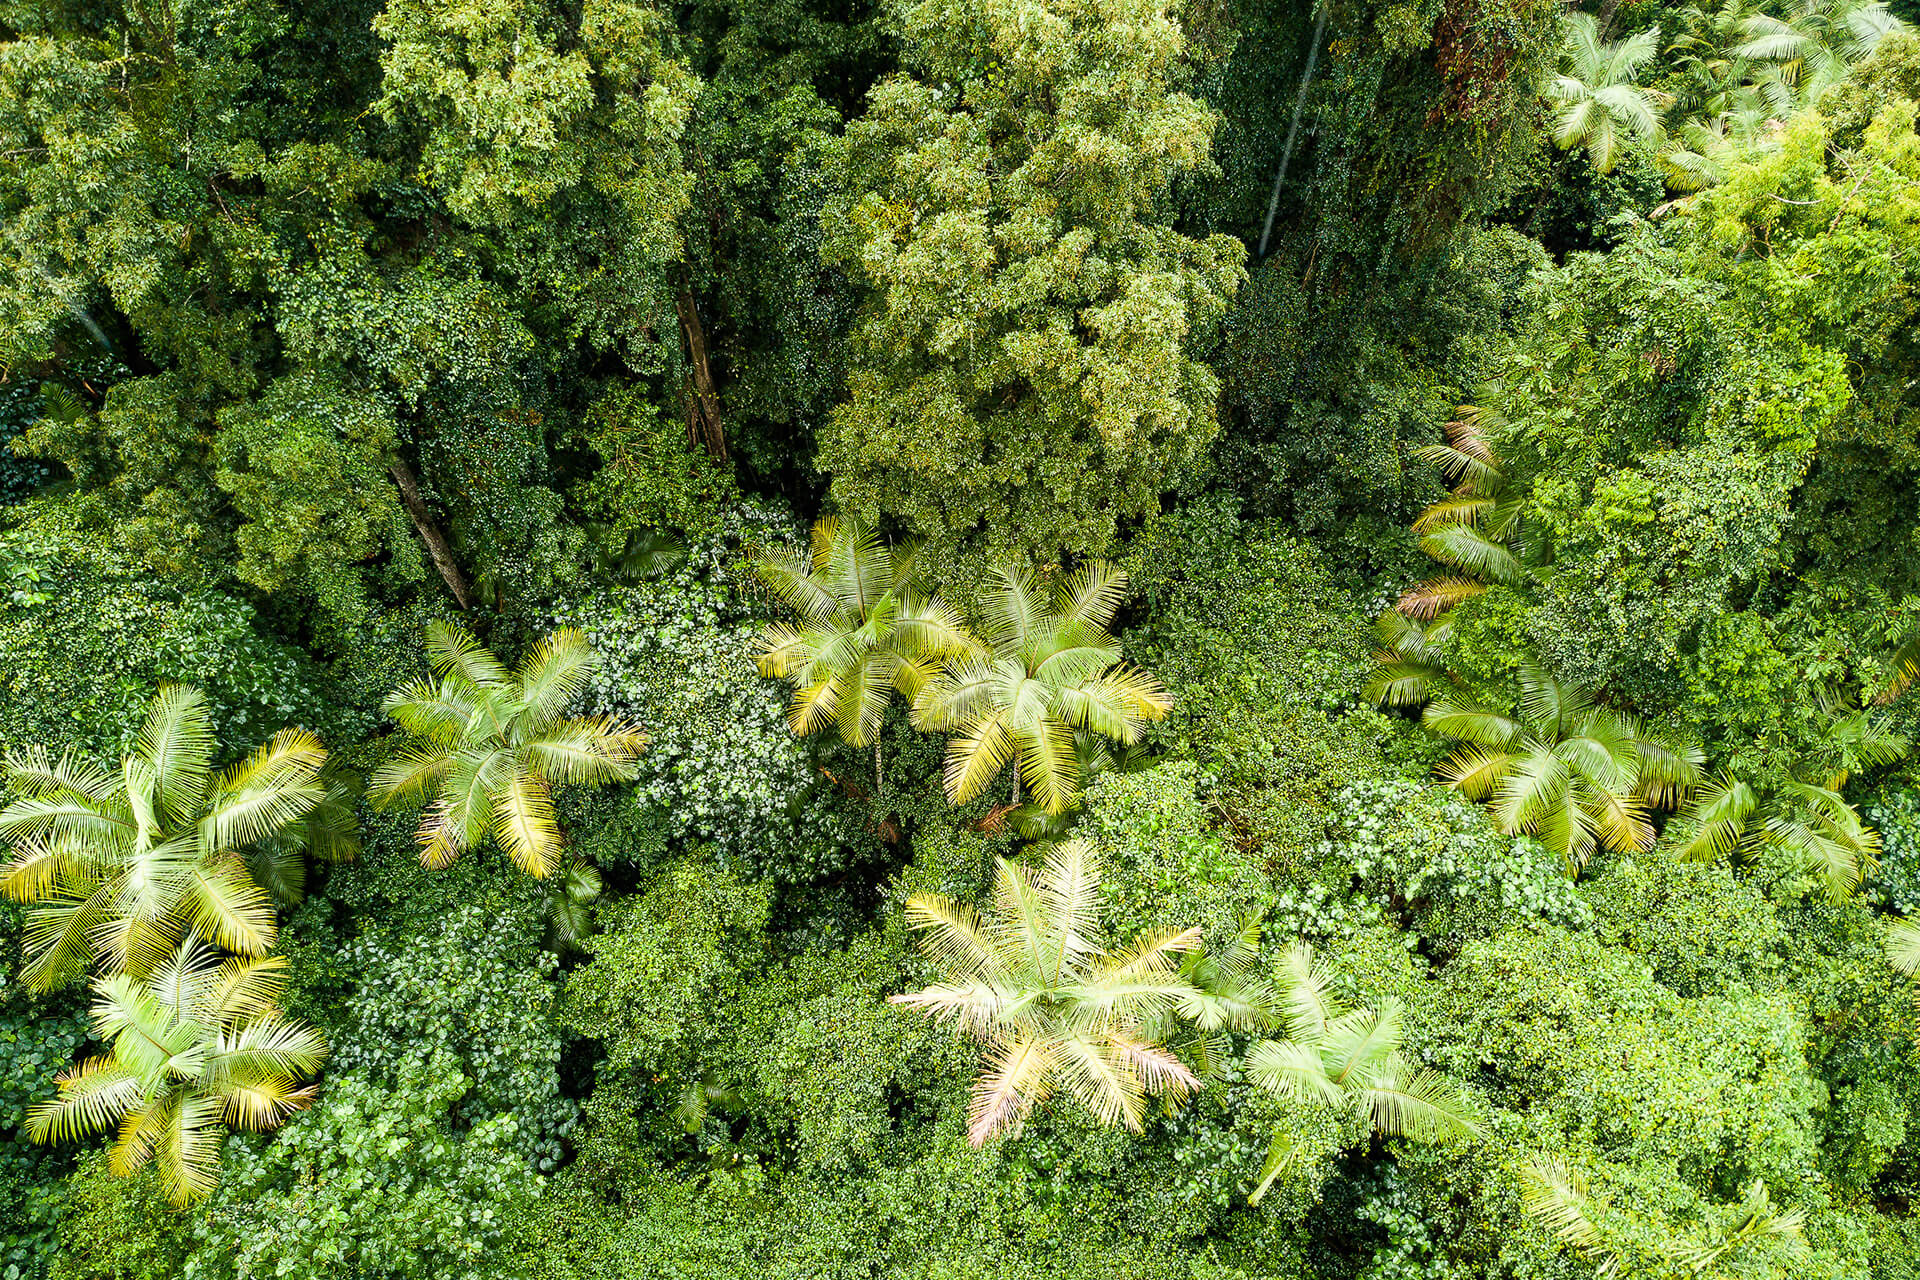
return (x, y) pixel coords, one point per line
(197, 1045)
(1349, 1059)
(1479, 529)
(1817, 45)
(490, 745)
(121, 865)
(1903, 949)
(1053, 672)
(866, 632)
(1571, 773)
(1052, 1006)
(1599, 99)
(1811, 820)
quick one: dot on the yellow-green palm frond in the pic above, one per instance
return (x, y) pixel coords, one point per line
(1016, 612)
(1422, 1105)
(226, 907)
(1466, 549)
(1903, 946)
(952, 936)
(1425, 601)
(857, 568)
(1007, 1092)
(63, 930)
(1458, 508)
(524, 824)
(91, 1097)
(1047, 763)
(1068, 885)
(453, 651)
(188, 1153)
(590, 750)
(242, 988)
(34, 771)
(1086, 601)
(1555, 1193)
(37, 865)
(1903, 669)
(791, 578)
(976, 757)
(1103, 1083)
(1719, 811)
(555, 671)
(409, 775)
(1290, 1069)
(439, 710)
(177, 741)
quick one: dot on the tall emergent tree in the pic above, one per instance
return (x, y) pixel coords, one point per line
(1053, 671)
(1338, 1056)
(491, 743)
(1025, 371)
(1053, 1007)
(121, 865)
(198, 1044)
(867, 630)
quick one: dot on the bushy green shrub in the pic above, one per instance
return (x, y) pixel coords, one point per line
(1705, 928)
(1434, 862)
(77, 667)
(37, 1042)
(1165, 865)
(119, 1228)
(373, 1181)
(472, 987)
(1265, 657)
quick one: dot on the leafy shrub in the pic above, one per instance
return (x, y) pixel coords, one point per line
(119, 1228)
(76, 669)
(37, 1042)
(473, 987)
(1704, 928)
(1424, 854)
(373, 1181)
(1265, 657)
(1165, 866)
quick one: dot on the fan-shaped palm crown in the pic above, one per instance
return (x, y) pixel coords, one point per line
(490, 744)
(1599, 100)
(1571, 773)
(866, 631)
(197, 1045)
(120, 865)
(1053, 671)
(1052, 1006)
(1349, 1059)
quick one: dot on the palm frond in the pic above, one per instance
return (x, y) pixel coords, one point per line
(1006, 1093)
(555, 672)
(452, 651)
(177, 741)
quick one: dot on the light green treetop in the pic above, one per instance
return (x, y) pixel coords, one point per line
(1024, 370)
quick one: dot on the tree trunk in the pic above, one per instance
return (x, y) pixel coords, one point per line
(1016, 782)
(703, 400)
(430, 533)
(879, 778)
